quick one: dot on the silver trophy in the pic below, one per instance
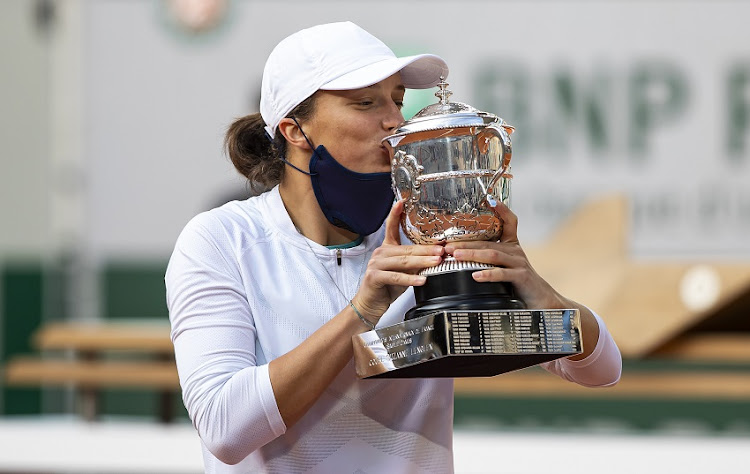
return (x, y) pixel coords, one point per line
(451, 164)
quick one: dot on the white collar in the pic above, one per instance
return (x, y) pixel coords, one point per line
(275, 213)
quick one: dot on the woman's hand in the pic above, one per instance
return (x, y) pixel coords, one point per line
(512, 264)
(392, 268)
(514, 267)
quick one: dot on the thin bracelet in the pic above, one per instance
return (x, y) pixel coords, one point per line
(368, 323)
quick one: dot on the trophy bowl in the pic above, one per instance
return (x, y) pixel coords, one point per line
(449, 163)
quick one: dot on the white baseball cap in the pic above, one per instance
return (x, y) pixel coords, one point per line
(335, 56)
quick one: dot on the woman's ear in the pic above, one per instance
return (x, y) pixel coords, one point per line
(293, 134)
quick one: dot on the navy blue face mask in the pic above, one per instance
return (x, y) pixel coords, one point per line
(357, 202)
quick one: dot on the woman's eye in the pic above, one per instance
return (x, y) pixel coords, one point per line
(365, 102)
(399, 103)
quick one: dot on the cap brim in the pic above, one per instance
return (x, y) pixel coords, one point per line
(417, 72)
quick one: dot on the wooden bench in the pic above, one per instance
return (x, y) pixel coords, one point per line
(105, 336)
(698, 385)
(75, 356)
(93, 356)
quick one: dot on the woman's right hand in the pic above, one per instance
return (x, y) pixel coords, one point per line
(393, 268)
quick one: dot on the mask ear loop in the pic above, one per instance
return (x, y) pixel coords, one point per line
(312, 147)
(308, 142)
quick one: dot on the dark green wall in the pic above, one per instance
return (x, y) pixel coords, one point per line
(133, 290)
(22, 307)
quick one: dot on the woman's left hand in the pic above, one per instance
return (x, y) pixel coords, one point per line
(513, 266)
(511, 262)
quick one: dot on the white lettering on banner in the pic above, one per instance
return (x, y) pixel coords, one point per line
(551, 110)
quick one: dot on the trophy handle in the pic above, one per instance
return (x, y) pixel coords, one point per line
(502, 131)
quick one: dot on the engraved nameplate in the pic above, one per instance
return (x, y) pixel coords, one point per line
(454, 343)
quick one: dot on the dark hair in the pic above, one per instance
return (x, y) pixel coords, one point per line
(253, 154)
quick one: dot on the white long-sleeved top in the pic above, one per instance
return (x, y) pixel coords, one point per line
(243, 288)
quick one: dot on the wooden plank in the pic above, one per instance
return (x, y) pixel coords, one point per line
(93, 337)
(28, 371)
(650, 385)
(714, 347)
(31, 371)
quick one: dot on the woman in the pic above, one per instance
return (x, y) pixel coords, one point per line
(266, 294)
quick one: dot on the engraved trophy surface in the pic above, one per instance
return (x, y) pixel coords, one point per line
(450, 163)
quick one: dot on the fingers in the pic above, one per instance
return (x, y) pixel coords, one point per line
(506, 247)
(392, 223)
(497, 274)
(409, 250)
(408, 262)
(383, 278)
(509, 220)
(492, 256)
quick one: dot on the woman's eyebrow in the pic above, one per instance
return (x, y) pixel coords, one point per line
(400, 87)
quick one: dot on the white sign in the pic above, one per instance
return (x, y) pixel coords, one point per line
(651, 99)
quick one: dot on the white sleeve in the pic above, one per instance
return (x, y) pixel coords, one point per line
(228, 397)
(601, 368)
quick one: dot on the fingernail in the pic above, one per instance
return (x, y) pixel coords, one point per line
(420, 280)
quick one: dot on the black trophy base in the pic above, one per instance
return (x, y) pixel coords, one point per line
(467, 343)
(459, 291)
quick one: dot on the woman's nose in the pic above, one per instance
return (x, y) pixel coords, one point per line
(393, 117)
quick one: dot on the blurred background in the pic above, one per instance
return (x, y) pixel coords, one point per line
(631, 167)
